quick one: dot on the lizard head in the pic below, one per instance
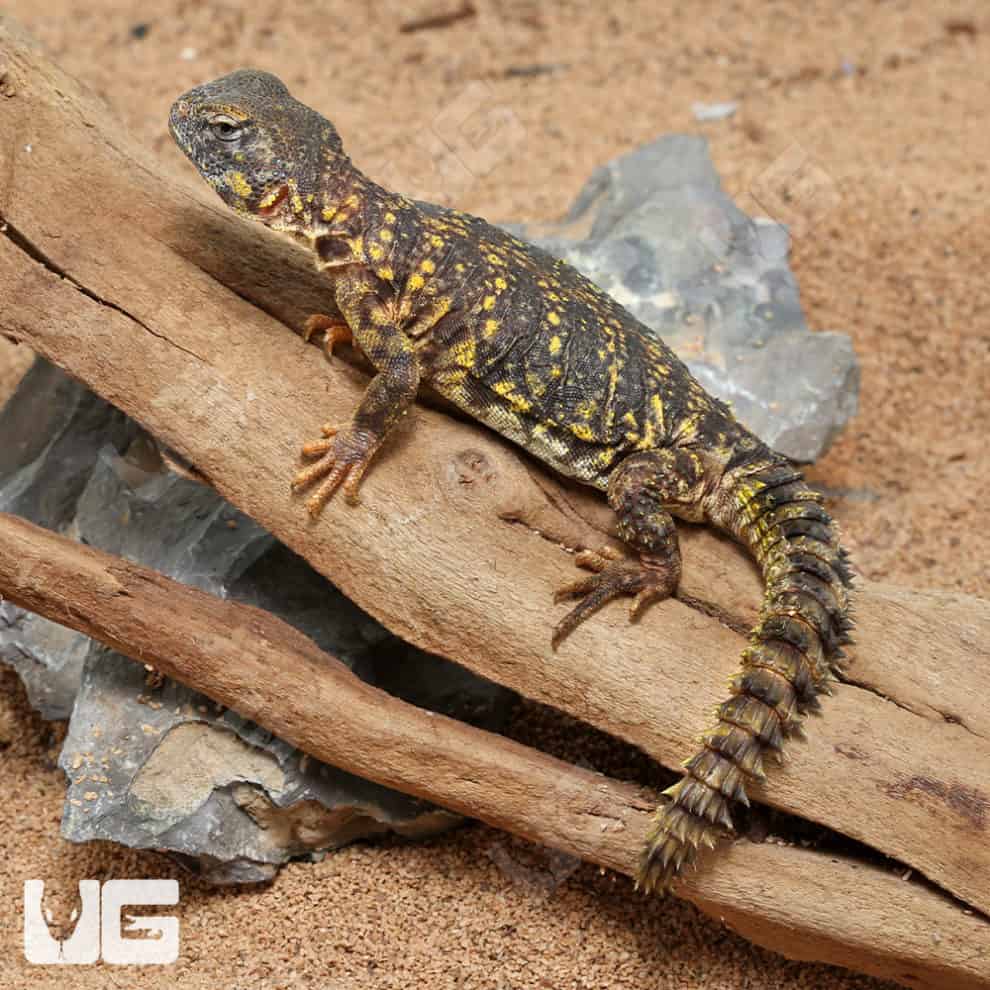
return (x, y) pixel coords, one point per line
(259, 148)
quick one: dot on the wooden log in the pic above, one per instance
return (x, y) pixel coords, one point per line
(144, 289)
(245, 658)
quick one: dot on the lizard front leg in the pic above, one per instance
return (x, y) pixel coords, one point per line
(344, 454)
(642, 490)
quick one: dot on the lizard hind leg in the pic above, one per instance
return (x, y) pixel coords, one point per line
(647, 527)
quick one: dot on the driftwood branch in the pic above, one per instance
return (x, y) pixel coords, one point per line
(162, 302)
(255, 663)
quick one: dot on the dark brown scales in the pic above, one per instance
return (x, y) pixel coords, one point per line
(795, 649)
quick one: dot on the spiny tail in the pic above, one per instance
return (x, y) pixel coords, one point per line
(793, 654)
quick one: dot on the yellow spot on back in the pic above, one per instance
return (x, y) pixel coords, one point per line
(428, 266)
(297, 203)
(582, 431)
(504, 388)
(385, 235)
(328, 212)
(464, 353)
(489, 302)
(390, 217)
(239, 184)
(500, 283)
(415, 282)
(554, 344)
(376, 251)
(385, 273)
(554, 318)
(436, 240)
(491, 328)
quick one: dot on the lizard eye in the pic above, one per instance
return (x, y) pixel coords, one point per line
(226, 128)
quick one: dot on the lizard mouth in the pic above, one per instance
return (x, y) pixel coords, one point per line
(273, 202)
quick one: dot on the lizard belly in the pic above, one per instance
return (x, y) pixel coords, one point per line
(513, 417)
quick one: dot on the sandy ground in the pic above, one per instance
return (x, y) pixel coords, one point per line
(877, 114)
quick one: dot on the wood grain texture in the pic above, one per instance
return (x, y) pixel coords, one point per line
(808, 905)
(162, 302)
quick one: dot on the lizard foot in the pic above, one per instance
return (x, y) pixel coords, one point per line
(646, 580)
(342, 458)
(334, 330)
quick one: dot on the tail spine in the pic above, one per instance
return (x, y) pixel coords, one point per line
(793, 653)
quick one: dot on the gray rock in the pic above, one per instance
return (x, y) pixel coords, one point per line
(655, 230)
(53, 431)
(151, 763)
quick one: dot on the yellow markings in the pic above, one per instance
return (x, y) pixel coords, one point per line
(310, 197)
(385, 273)
(385, 235)
(442, 307)
(543, 283)
(390, 217)
(427, 266)
(555, 345)
(328, 212)
(356, 244)
(601, 353)
(269, 198)
(500, 283)
(535, 384)
(496, 259)
(507, 390)
(587, 408)
(555, 371)
(554, 318)
(296, 200)
(657, 407)
(582, 431)
(381, 316)
(553, 296)
(647, 441)
(491, 328)
(464, 353)
(630, 420)
(239, 157)
(488, 302)
(239, 184)
(605, 457)
(376, 252)
(436, 240)
(459, 266)
(416, 282)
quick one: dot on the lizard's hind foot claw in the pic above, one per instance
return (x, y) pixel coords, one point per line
(645, 580)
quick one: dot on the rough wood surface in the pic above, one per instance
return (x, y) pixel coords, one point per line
(247, 659)
(152, 294)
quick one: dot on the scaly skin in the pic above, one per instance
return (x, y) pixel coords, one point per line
(525, 344)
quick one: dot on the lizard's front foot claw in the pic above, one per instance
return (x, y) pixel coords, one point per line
(645, 580)
(334, 330)
(343, 457)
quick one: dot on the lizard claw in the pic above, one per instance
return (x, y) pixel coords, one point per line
(646, 580)
(335, 331)
(342, 458)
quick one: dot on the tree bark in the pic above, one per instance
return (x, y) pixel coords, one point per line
(783, 896)
(137, 283)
